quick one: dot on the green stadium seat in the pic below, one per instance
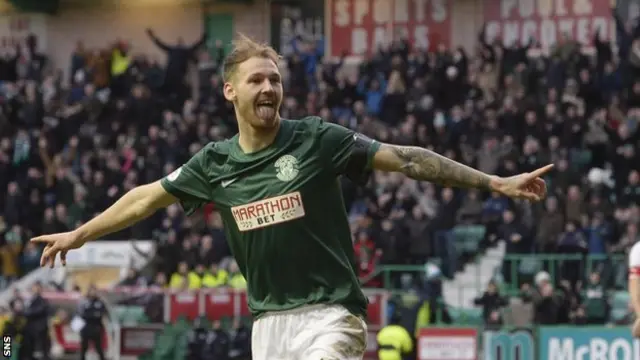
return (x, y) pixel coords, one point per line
(180, 350)
(182, 325)
(620, 300)
(130, 314)
(580, 158)
(468, 237)
(618, 314)
(226, 322)
(620, 276)
(248, 321)
(146, 356)
(463, 316)
(529, 265)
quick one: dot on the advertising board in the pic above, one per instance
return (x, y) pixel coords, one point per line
(291, 20)
(359, 27)
(517, 21)
(597, 342)
(447, 344)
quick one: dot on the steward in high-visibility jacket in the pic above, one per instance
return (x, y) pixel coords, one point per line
(394, 341)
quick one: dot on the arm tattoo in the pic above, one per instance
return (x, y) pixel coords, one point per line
(424, 165)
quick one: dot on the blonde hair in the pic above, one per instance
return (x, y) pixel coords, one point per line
(243, 49)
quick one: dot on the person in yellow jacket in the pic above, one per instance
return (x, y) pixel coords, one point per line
(236, 279)
(394, 341)
(180, 277)
(195, 277)
(5, 317)
(215, 277)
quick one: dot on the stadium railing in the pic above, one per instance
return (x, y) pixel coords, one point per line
(522, 268)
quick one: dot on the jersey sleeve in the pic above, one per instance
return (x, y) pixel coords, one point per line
(634, 261)
(349, 153)
(190, 183)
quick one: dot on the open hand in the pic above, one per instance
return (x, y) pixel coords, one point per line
(529, 186)
(57, 243)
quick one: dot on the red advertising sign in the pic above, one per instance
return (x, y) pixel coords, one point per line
(448, 344)
(244, 304)
(219, 303)
(359, 27)
(184, 304)
(516, 21)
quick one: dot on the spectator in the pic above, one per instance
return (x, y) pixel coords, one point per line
(491, 302)
(236, 279)
(178, 58)
(181, 277)
(215, 277)
(240, 341)
(596, 307)
(550, 226)
(197, 341)
(217, 344)
(546, 301)
(36, 330)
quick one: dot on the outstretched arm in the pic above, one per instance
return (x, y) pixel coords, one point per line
(157, 41)
(134, 206)
(190, 184)
(425, 165)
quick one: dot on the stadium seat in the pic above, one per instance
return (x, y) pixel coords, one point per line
(180, 349)
(580, 158)
(618, 314)
(620, 300)
(466, 316)
(468, 237)
(226, 322)
(182, 325)
(130, 314)
(248, 321)
(164, 348)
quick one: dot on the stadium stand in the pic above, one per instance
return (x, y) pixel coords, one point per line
(66, 153)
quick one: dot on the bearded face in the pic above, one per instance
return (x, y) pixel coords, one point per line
(256, 92)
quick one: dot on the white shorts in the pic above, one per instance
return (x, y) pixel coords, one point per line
(317, 332)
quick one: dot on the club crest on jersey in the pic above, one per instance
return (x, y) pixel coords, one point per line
(286, 168)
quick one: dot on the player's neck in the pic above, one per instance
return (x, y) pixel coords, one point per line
(252, 139)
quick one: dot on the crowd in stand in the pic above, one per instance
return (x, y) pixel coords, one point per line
(67, 153)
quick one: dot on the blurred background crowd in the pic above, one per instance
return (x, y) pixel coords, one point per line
(67, 152)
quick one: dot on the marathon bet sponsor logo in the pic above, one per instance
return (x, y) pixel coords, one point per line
(287, 167)
(174, 175)
(269, 211)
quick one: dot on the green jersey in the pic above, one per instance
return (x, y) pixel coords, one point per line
(283, 212)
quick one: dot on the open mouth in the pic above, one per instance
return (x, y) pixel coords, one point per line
(266, 109)
(266, 103)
